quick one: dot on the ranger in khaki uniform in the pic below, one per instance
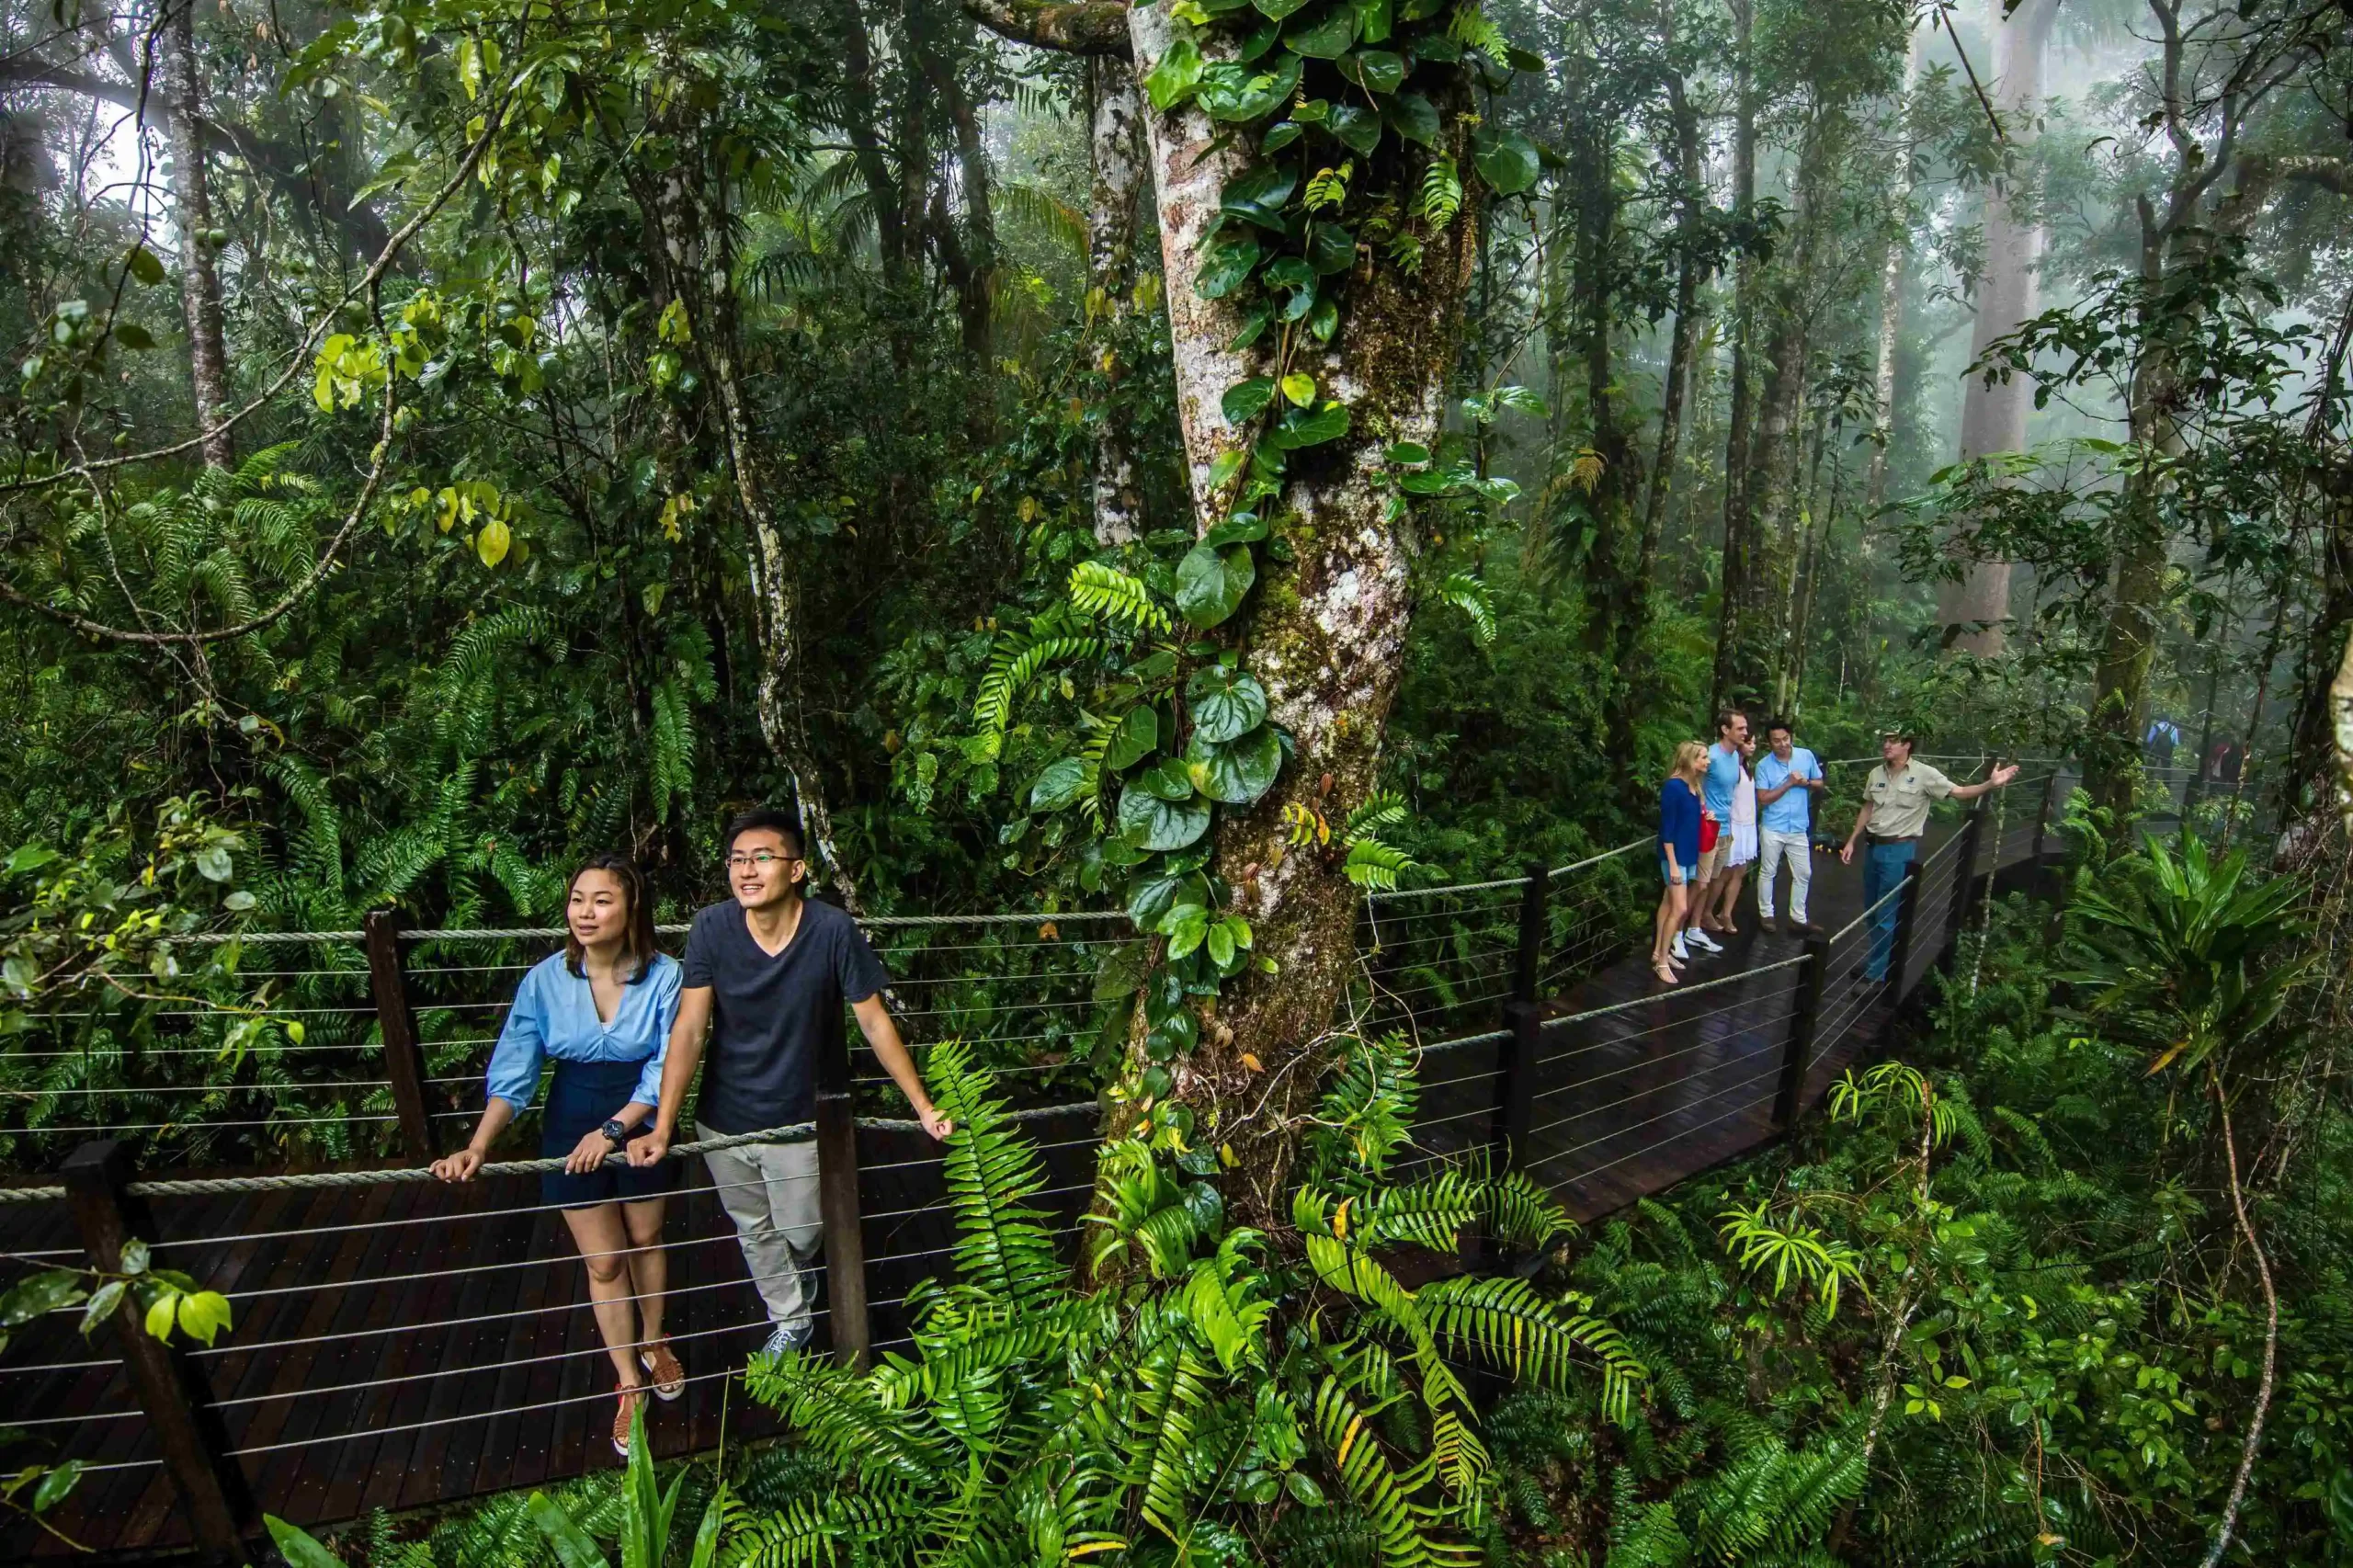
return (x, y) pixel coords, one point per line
(1895, 812)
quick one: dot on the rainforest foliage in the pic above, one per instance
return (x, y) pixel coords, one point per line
(1208, 461)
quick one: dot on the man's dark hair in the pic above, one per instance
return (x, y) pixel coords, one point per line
(1725, 719)
(769, 818)
(1781, 724)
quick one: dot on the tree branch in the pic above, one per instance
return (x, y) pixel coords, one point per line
(1075, 27)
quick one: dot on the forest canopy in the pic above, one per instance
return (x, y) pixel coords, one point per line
(1216, 459)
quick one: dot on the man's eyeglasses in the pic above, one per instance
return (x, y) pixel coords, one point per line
(763, 859)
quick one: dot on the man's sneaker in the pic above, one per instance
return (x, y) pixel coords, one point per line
(1797, 927)
(788, 1337)
(630, 1399)
(1695, 935)
(1681, 954)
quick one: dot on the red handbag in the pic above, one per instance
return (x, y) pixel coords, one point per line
(1709, 829)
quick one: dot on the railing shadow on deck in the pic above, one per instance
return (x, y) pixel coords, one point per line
(401, 1342)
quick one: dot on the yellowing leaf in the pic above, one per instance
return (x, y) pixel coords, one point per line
(1253, 1063)
(492, 541)
(1298, 388)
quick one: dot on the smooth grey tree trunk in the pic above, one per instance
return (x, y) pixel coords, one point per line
(192, 220)
(1115, 155)
(1974, 611)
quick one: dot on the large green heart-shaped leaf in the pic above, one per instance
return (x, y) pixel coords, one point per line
(1242, 400)
(1309, 427)
(1277, 10)
(1226, 704)
(1327, 39)
(1060, 785)
(1175, 75)
(1137, 737)
(1167, 780)
(1236, 94)
(1228, 266)
(1374, 70)
(1331, 249)
(1258, 195)
(1147, 821)
(1358, 127)
(1210, 582)
(1413, 117)
(1506, 160)
(1236, 772)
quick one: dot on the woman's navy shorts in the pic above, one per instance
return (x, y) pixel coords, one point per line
(583, 1097)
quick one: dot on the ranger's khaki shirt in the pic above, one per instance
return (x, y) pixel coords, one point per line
(1900, 804)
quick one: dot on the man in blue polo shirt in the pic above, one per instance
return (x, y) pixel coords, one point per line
(1786, 779)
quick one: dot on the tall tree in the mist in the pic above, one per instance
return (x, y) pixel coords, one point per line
(1974, 611)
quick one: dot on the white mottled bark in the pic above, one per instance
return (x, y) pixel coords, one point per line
(1115, 148)
(183, 93)
(1188, 173)
(1325, 632)
(1974, 611)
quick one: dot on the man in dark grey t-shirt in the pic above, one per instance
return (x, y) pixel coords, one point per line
(767, 975)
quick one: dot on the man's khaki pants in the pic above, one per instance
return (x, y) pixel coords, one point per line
(771, 1191)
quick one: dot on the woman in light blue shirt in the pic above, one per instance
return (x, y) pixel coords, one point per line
(600, 1011)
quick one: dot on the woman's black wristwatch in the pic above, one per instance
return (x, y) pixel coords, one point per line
(615, 1133)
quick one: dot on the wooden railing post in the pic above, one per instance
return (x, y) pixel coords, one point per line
(1529, 973)
(1799, 1053)
(1907, 920)
(838, 1206)
(189, 1438)
(1964, 882)
(396, 1021)
(1516, 1084)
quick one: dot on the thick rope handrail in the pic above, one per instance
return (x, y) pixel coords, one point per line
(202, 1186)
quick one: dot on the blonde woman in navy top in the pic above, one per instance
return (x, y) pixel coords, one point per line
(600, 1011)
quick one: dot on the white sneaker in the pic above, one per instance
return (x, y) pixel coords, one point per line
(1677, 950)
(1696, 934)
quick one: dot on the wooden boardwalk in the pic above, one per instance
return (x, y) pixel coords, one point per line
(410, 1344)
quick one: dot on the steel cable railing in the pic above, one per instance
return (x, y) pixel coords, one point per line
(386, 1321)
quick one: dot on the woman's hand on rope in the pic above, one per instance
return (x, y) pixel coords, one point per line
(459, 1166)
(589, 1153)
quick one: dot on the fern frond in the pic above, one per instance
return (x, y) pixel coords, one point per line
(1004, 1245)
(1505, 1320)
(1470, 595)
(1441, 196)
(1108, 594)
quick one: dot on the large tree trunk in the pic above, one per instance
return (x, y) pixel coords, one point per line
(192, 224)
(1325, 632)
(1891, 282)
(1739, 520)
(1115, 156)
(1974, 611)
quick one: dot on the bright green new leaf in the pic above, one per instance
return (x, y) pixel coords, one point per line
(1175, 76)
(492, 541)
(1298, 388)
(300, 1549)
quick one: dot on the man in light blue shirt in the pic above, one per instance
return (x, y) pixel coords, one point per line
(1710, 910)
(1786, 780)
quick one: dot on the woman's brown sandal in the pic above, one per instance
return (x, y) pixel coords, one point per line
(669, 1378)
